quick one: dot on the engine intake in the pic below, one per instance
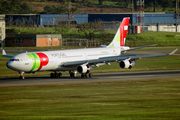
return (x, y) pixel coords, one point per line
(84, 68)
(127, 64)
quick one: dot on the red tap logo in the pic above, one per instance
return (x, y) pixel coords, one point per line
(39, 60)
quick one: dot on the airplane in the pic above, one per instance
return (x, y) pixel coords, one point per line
(78, 60)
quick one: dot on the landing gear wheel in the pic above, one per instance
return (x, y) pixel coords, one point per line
(72, 75)
(52, 75)
(82, 75)
(90, 75)
(55, 75)
(22, 77)
(59, 74)
(86, 75)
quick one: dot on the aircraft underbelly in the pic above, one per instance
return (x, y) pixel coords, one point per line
(62, 68)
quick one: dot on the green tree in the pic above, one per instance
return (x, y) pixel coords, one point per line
(54, 10)
(89, 29)
(16, 6)
(100, 2)
(48, 10)
(24, 9)
(5, 7)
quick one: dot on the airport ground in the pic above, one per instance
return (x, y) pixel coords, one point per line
(151, 94)
(119, 96)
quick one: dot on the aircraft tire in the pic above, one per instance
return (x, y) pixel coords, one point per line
(82, 75)
(59, 75)
(51, 75)
(22, 77)
(56, 75)
(86, 75)
(71, 74)
(90, 75)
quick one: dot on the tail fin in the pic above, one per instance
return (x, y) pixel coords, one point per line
(120, 36)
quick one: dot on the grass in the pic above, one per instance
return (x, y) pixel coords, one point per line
(151, 99)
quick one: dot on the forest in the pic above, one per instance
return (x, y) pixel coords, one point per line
(61, 6)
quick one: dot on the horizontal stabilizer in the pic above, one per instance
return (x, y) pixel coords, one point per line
(5, 55)
(139, 47)
(103, 46)
(3, 52)
(173, 52)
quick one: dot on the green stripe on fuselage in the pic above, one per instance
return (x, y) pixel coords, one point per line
(36, 60)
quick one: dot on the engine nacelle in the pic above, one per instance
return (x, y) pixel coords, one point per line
(127, 64)
(84, 68)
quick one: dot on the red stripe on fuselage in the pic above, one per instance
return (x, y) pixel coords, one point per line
(44, 60)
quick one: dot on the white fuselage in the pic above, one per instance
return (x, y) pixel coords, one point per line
(54, 60)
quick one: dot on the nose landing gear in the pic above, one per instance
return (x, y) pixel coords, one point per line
(21, 75)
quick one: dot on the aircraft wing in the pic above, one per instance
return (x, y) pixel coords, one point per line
(113, 59)
(158, 55)
(5, 55)
(100, 60)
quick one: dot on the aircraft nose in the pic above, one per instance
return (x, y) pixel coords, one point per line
(7, 64)
(11, 65)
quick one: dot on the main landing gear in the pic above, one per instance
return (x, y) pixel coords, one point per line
(86, 75)
(72, 74)
(55, 75)
(83, 75)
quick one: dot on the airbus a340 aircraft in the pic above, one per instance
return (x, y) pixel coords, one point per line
(77, 60)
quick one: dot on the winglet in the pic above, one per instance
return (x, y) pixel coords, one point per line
(173, 52)
(3, 52)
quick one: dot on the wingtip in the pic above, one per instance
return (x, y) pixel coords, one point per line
(173, 52)
(154, 44)
(151, 45)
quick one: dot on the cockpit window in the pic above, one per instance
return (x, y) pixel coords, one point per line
(14, 59)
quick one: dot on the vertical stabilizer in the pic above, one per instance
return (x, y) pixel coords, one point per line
(120, 36)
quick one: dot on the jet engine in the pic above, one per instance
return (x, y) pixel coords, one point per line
(84, 68)
(127, 64)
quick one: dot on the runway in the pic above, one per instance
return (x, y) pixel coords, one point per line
(97, 77)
